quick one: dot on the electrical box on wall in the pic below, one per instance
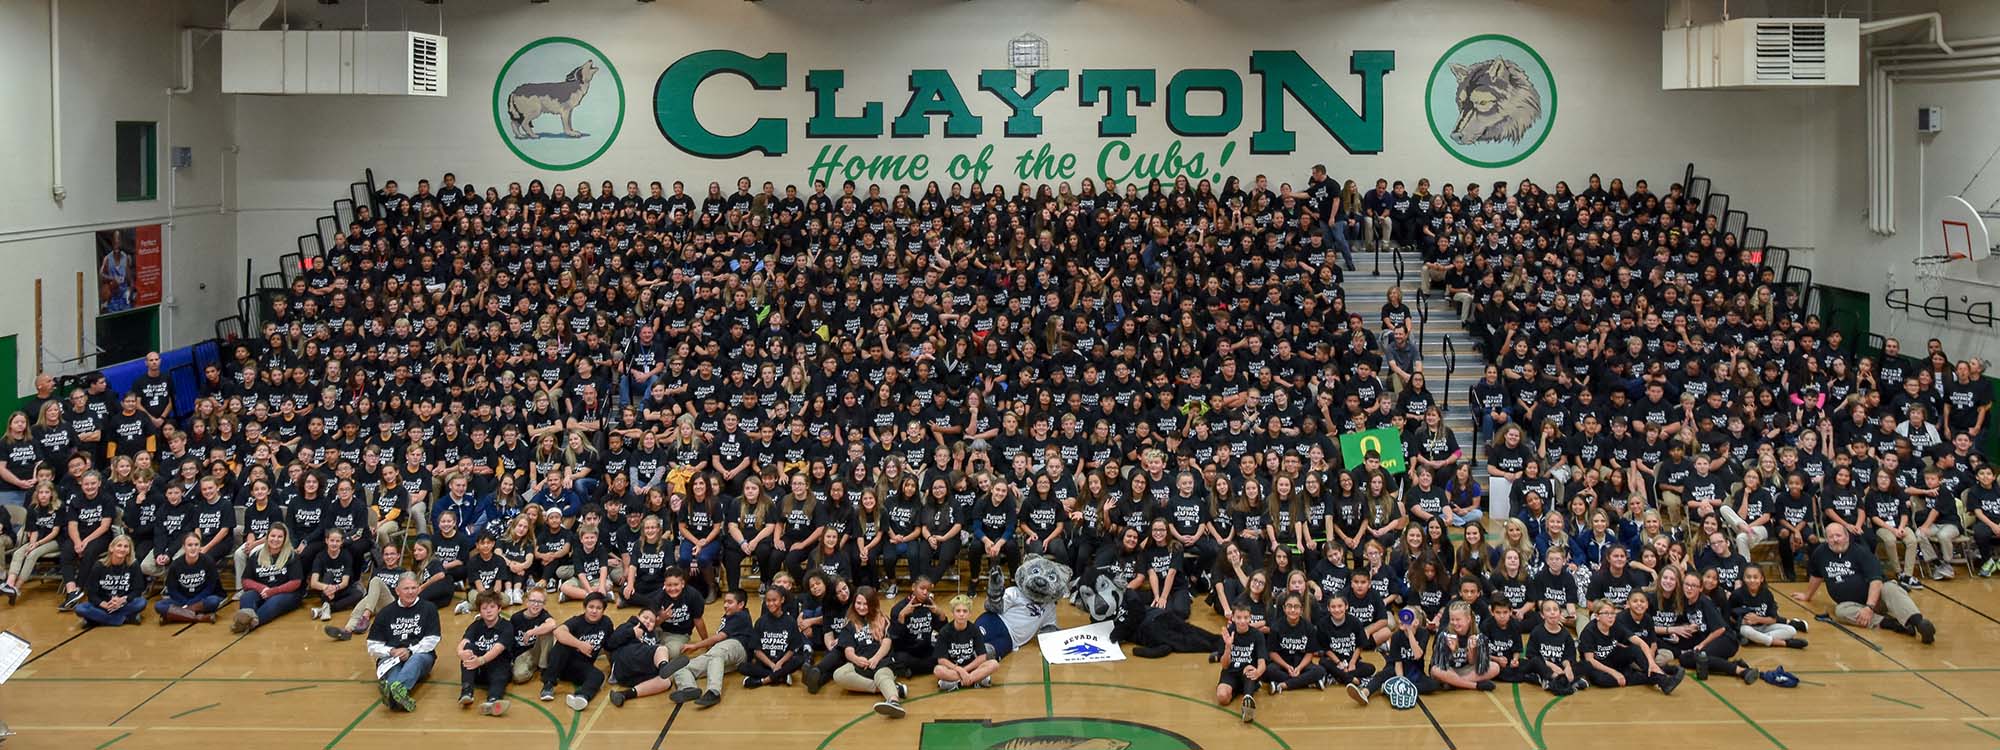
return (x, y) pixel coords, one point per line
(1930, 120)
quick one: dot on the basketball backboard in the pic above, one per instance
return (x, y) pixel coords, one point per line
(1962, 230)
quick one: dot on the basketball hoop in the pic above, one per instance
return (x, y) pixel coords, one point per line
(1962, 230)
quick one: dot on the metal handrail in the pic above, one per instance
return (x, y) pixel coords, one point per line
(1450, 366)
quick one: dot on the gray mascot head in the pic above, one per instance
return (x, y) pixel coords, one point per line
(1042, 579)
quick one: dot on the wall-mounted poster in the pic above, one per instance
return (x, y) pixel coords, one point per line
(128, 268)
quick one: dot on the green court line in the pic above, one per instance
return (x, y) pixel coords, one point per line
(823, 744)
(562, 737)
(1893, 700)
(290, 689)
(114, 740)
(1048, 693)
(1975, 727)
(1739, 713)
(372, 705)
(1534, 727)
(197, 709)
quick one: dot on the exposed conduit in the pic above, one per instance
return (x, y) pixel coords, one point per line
(56, 190)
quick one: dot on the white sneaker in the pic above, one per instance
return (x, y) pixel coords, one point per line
(947, 686)
(1942, 572)
(576, 702)
(463, 608)
(322, 612)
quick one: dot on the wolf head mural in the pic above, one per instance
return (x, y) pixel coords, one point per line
(1496, 102)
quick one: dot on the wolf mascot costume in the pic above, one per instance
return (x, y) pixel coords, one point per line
(1014, 614)
(1153, 632)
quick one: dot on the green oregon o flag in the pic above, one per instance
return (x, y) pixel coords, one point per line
(1049, 734)
(1383, 440)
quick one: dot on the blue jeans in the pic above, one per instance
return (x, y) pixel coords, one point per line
(268, 608)
(630, 390)
(203, 603)
(710, 555)
(13, 497)
(412, 671)
(1335, 233)
(125, 615)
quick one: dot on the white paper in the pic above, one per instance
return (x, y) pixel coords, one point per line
(13, 653)
(1089, 644)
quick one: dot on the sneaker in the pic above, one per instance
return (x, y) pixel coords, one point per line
(618, 698)
(11, 593)
(465, 699)
(561, 597)
(1926, 630)
(1358, 693)
(1797, 624)
(1672, 681)
(70, 602)
(382, 687)
(576, 702)
(814, 679)
(891, 592)
(1249, 709)
(1987, 568)
(708, 699)
(548, 694)
(1486, 686)
(1795, 643)
(242, 622)
(684, 695)
(891, 709)
(1910, 582)
(320, 613)
(902, 692)
(1751, 676)
(399, 698)
(463, 608)
(986, 682)
(752, 683)
(549, 585)
(788, 680)
(1323, 680)
(947, 686)
(1942, 572)
(338, 634)
(494, 708)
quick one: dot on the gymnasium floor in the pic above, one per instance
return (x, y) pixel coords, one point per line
(287, 686)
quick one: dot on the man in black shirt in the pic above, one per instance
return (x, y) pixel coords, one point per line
(1853, 578)
(403, 642)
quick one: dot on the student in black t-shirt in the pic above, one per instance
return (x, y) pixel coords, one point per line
(778, 647)
(1292, 641)
(960, 651)
(1244, 659)
(1614, 656)
(1551, 653)
(1503, 634)
(640, 664)
(1458, 657)
(1404, 655)
(114, 589)
(572, 656)
(1342, 639)
(192, 586)
(482, 653)
(1982, 503)
(331, 577)
(1755, 612)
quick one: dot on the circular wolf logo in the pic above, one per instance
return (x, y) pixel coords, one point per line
(558, 103)
(1491, 100)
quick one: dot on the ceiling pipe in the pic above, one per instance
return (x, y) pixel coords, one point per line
(1933, 18)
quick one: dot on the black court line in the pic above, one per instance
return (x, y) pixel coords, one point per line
(669, 725)
(1893, 660)
(177, 680)
(1434, 725)
(1968, 607)
(52, 649)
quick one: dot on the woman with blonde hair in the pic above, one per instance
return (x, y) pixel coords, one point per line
(114, 589)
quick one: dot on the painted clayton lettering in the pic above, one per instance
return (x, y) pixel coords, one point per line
(936, 99)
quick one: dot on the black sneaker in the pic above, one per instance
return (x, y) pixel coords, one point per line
(338, 634)
(1671, 681)
(1249, 709)
(618, 698)
(548, 695)
(1486, 686)
(465, 699)
(1926, 630)
(1751, 675)
(70, 602)
(1795, 642)
(1797, 624)
(752, 683)
(684, 695)
(708, 699)
(891, 709)
(1910, 582)
(814, 679)
(1358, 693)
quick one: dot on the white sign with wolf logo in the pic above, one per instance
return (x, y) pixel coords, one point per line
(1089, 644)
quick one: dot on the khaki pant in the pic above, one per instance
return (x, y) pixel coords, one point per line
(1673, 512)
(378, 596)
(1746, 536)
(1376, 232)
(532, 660)
(1894, 602)
(883, 683)
(1902, 552)
(25, 559)
(720, 659)
(1943, 536)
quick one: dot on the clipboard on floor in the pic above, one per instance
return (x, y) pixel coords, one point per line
(13, 653)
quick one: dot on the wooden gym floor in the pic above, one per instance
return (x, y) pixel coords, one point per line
(287, 686)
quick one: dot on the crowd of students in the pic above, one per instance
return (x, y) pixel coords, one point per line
(476, 402)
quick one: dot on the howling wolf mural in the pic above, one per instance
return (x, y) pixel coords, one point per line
(531, 100)
(1496, 102)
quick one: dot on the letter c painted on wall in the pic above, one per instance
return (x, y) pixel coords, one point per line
(673, 104)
